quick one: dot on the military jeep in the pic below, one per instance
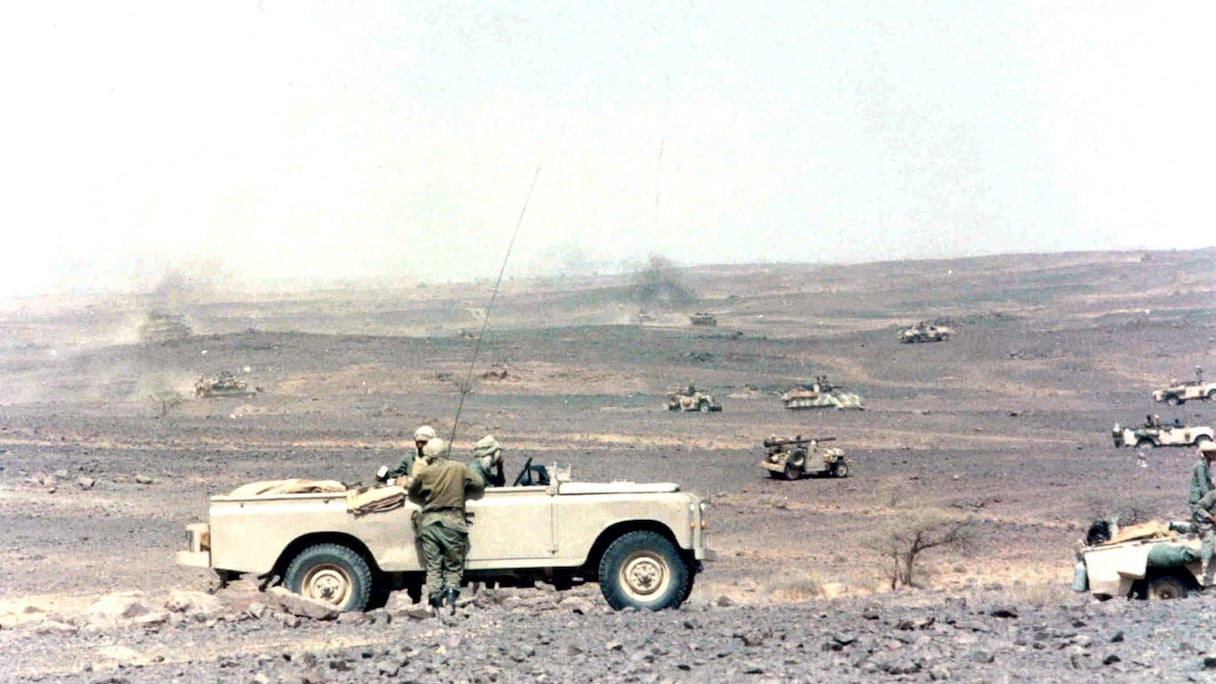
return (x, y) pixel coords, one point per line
(691, 399)
(1179, 392)
(794, 459)
(644, 543)
(1152, 434)
(1153, 560)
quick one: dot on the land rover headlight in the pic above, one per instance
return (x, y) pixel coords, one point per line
(704, 514)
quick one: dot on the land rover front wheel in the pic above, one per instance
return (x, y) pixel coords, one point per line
(841, 469)
(1172, 400)
(333, 574)
(643, 569)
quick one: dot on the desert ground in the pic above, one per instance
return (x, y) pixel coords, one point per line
(1008, 425)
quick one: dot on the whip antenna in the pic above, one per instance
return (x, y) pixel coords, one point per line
(466, 386)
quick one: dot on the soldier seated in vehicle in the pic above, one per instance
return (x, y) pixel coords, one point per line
(487, 461)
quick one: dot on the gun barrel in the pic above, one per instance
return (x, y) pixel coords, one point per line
(796, 441)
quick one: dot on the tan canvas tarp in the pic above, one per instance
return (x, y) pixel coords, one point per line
(290, 486)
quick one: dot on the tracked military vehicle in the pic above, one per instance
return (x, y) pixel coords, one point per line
(163, 327)
(1154, 434)
(1179, 392)
(225, 385)
(691, 399)
(926, 332)
(794, 459)
(820, 393)
(702, 318)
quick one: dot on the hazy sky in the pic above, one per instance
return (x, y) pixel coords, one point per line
(281, 140)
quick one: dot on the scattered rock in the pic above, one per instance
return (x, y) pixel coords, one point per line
(86, 482)
(724, 601)
(143, 480)
(577, 605)
(194, 603)
(304, 607)
(116, 607)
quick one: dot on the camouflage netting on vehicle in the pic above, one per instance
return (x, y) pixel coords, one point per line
(1172, 555)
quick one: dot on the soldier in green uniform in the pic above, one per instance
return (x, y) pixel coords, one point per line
(487, 461)
(1203, 505)
(412, 460)
(441, 488)
(1201, 477)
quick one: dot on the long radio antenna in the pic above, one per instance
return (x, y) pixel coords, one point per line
(466, 386)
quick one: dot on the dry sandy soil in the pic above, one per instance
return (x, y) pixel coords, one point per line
(1009, 422)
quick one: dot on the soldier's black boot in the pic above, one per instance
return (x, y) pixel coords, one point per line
(436, 604)
(453, 594)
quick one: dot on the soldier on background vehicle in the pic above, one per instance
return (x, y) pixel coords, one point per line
(411, 462)
(487, 461)
(441, 489)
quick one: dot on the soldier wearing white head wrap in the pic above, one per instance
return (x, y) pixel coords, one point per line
(487, 461)
(412, 461)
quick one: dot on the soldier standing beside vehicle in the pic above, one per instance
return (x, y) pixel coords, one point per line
(1201, 478)
(413, 459)
(441, 489)
(487, 461)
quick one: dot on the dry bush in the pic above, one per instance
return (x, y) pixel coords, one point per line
(801, 588)
(166, 400)
(1043, 593)
(902, 538)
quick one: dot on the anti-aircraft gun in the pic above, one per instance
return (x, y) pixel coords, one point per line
(793, 459)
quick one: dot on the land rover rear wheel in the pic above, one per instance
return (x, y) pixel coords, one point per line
(643, 569)
(1173, 400)
(1212, 395)
(1166, 587)
(1201, 440)
(333, 574)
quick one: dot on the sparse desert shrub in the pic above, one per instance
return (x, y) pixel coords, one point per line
(801, 588)
(166, 400)
(902, 538)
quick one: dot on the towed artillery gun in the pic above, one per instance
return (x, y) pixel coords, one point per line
(644, 543)
(1154, 434)
(691, 399)
(225, 385)
(1153, 560)
(819, 393)
(926, 332)
(794, 459)
(1180, 392)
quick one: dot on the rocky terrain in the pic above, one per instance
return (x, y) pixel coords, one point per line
(105, 455)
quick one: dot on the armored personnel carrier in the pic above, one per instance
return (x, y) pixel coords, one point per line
(820, 393)
(1152, 433)
(163, 327)
(794, 459)
(926, 332)
(1179, 392)
(702, 318)
(225, 385)
(691, 399)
